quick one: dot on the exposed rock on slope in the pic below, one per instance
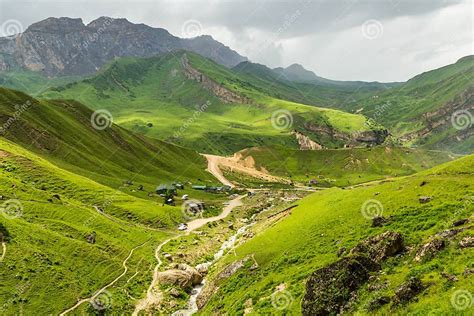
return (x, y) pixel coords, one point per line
(218, 90)
(305, 142)
(182, 275)
(330, 289)
(65, 46)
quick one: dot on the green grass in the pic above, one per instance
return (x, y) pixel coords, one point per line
(62, 132)
(344, 167)
(48, 260)
(291, 249)
(51, 149)
(401, 108)
(152, 96)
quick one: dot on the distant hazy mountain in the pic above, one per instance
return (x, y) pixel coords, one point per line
(65, 46)
(296, 73)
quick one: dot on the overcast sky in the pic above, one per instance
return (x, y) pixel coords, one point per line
(383, 40)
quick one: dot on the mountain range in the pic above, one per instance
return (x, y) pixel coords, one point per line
(65, 46)
(142, 173)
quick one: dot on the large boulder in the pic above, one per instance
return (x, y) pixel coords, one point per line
(408, 290)
(380, 247)
(467, 242)
(182, 275)
(429, 250)
(330, 288)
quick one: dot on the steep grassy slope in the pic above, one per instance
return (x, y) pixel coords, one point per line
(421, 110)
(71, 217)
(343, 167)
(31, 82)
(289, 250)
(217, 111)
(49, 213)
(63, 132)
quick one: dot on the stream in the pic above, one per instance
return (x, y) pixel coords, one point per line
(228, 244)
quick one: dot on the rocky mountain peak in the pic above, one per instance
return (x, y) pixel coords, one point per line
(62, 24)
(65, 46)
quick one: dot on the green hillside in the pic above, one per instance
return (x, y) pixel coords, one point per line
(156, 97)
(309, 238)
(72, 209)
(420, 111)
(63, 132)
(343, 167)
(31, 82)
(50, 216)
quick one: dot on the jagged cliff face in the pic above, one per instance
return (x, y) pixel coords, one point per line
(225, 95)
(65, 46)
(305, 142)
(356, 139)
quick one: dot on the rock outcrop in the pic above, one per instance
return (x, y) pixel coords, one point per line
(224, 94)
(428, 250)
(182, 275)
(305, 142)
(408, 290)
(330, 289)
(380, 247)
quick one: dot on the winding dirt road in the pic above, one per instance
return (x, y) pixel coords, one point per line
(237, 164)
(153, 294)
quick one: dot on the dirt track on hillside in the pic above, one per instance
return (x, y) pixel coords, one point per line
(237, 164)
(4, 251)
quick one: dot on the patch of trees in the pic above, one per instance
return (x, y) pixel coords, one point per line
(4, 234)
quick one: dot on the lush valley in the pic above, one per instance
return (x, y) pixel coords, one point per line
(146, 174)
(192, 101)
